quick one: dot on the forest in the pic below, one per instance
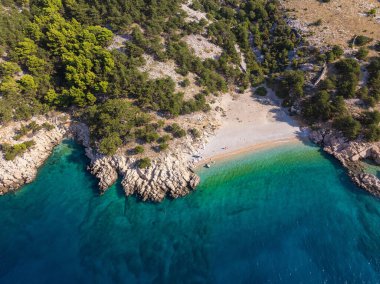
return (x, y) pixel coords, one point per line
(55, 56)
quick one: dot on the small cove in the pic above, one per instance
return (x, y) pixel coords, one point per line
(287, 214)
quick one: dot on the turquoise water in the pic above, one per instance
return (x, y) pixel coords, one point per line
(285, 215)
(371, 168)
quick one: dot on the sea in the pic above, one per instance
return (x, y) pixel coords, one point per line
(288, 214)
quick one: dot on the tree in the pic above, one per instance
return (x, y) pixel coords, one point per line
(348, 126)
(348, 77)
(9, 69)
(362, 53)
(109, 144)
(144, 163)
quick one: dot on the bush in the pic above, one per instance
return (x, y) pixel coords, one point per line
(327, 85)
(164, 138)
(348, 126)
(348, 77)
(317, 23)
(185, 83)
(372, 133)
(163, 146)
(291, 85)
(109, 144)
(362, 53)
(261, 91)
(361, 40)
(138, 149)
(12, 151)
(377, 46)
(47, 126)
(176, 130)
(144, 163)
(194, 133)
(370, 117)
(335, 53)
(371, 13)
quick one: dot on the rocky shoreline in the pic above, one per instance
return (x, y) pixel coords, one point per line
(23, 169)
(350, 155)
(170, 175)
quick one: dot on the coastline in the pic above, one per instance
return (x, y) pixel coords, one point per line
(245, 150)
(247, 123)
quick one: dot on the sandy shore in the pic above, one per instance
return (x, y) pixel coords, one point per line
(248, 123)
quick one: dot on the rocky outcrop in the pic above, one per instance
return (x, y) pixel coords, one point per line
(350, 153)
(170, 174)
(23, 169)
(167, 176)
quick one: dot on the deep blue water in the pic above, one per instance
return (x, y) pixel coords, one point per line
(284, 215)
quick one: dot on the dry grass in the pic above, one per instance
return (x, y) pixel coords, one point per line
(341, 19)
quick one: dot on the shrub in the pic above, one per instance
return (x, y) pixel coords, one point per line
(176, 130)
(109, 144)
(371, 13)
(138, 149)
(362, 53)
(335, 53)
(377, 46)
(327, 85)
(163, 146)
(144, 163)
(370, 117)
(348, 126)
(361, 40)
(164, 138)
(47, 126)
(261, 91)
(347, 77)
(185, 83)
(12, 151)
(372, 133)
(317, 23)
(194, 132)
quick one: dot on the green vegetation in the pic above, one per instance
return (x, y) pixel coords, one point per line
(335, 53)
(144, 163)
(371, 12)
(322, 107)
(12, 151)
(163, 146)
(31, 127)
(348, 126)
(261, 91)
(194, 133)
(347, 79)
(58, 57)
(362, 53)
(361, 40)
(138, 149)
(58, 50)
(176, 130)
(289, 86)
(113, 122)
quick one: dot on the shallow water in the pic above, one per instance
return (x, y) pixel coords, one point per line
(283, 215)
